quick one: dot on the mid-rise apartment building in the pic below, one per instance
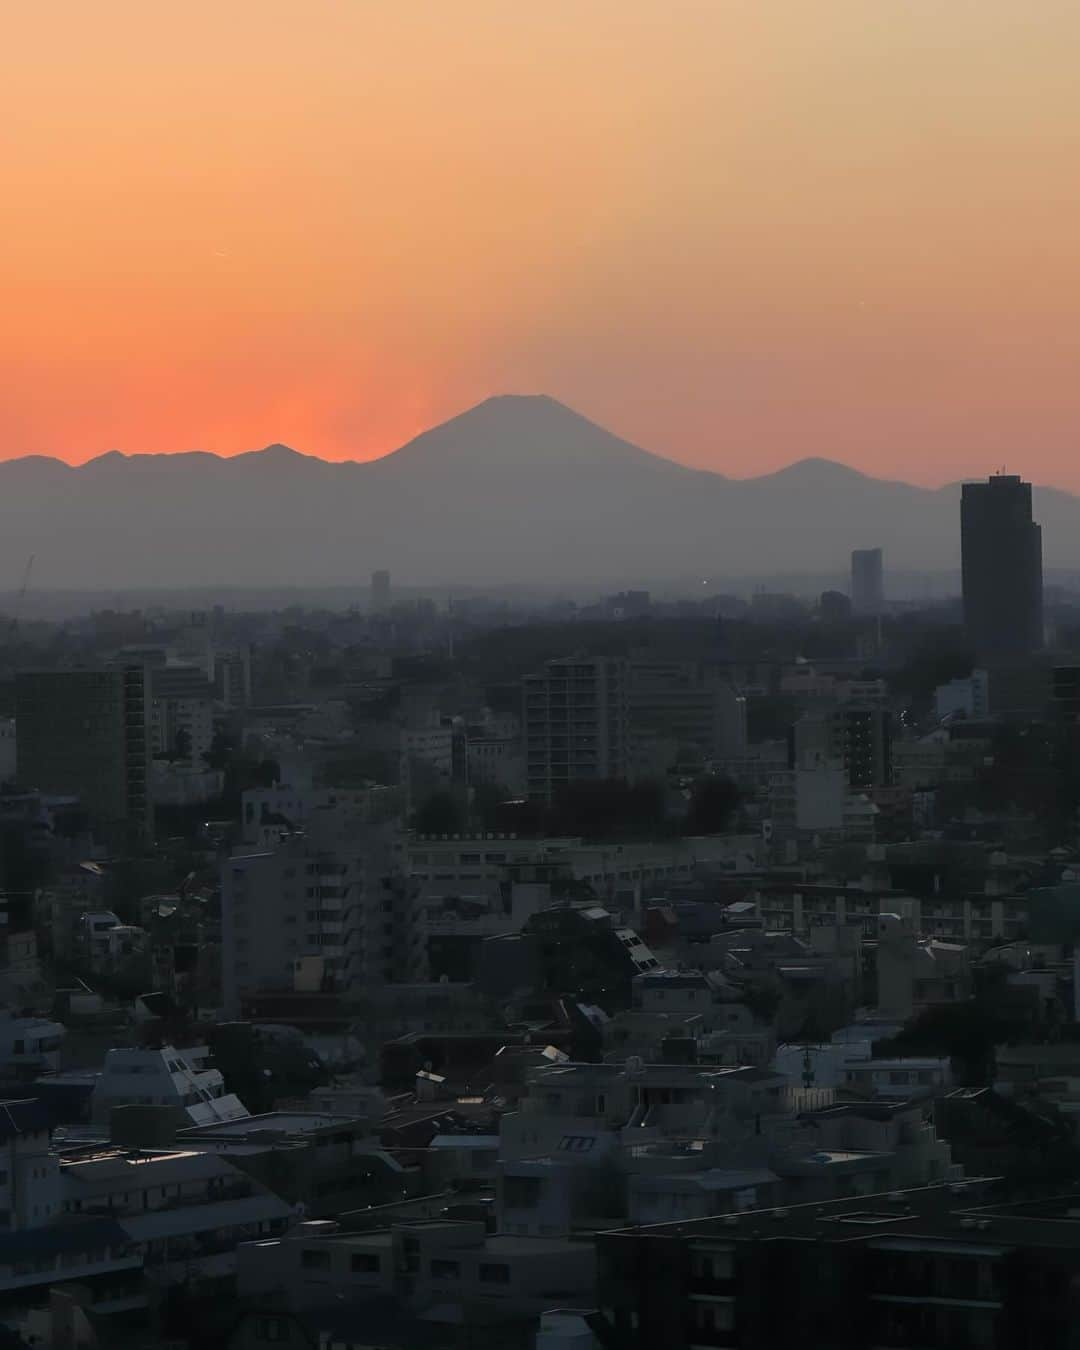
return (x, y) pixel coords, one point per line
(938, 1265)
(799, 906)
(693, 705)
(856, 735)
(319, 912)
(576, 723)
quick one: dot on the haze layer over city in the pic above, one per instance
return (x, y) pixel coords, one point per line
(539, 676)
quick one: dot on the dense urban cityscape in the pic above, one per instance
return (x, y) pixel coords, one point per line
(540, 675)
(539, 972)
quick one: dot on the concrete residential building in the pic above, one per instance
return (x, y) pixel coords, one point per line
(576, 723)
(856, 735)
(232, 677)
(693, 705)
(318, 912)
(590, 1142)
(29, 1045)
(968, 697)
(915, 973)
(184, 1211)
(182, 727)
(810, 799)
(29, 1177)
(86, 732)
(426, 759)
(1002, 569)
(451, 1264)
(941, 1265)
(270, 814)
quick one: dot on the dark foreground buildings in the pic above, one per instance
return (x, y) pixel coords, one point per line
(1002, 569)
(938, 1266)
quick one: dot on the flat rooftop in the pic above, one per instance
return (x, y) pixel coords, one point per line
(943, 1215)
(285, 1122)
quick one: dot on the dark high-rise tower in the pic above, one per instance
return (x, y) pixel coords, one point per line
(1002, 568)
(380, 592)
(84, 732)
(867, 581)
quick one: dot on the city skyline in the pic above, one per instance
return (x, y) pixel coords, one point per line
(739, 235)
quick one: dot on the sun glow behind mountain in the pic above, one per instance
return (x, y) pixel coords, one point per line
(741, 233)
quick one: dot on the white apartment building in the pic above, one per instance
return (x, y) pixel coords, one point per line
(184, 722)
(324, 910)
(968, 697)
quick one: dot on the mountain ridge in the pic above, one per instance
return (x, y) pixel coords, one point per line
(277, 450)
(519, 488)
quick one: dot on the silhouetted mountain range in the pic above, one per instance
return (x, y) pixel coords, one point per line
(518, 489)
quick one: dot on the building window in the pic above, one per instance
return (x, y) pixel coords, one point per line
(521, 1192)
(714, 1316)
(364, 1263)
(494, 1274)
(712, 1265)
(445, 1270)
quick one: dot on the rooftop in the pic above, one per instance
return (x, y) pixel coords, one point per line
(278, 1122)
(26, 1116)
(941, 1215)
(160, 1168)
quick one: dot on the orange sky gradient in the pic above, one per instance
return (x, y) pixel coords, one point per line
(737, 232)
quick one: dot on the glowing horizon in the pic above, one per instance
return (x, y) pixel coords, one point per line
(737, 235)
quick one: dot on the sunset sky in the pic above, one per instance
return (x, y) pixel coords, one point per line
(737, 232)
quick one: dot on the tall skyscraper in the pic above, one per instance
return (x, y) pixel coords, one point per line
(380, 592)
(85, 732)
(1002, 568)
(867, 581)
